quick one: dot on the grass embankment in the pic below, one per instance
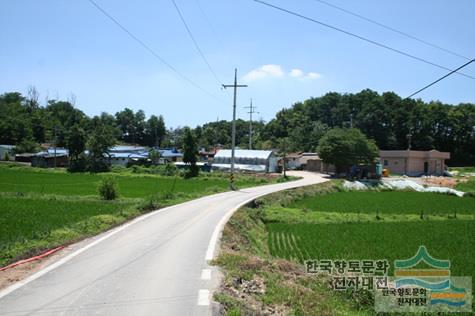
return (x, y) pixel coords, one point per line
(41, 209)
(465, 177)
(462, 170)
(324, 222)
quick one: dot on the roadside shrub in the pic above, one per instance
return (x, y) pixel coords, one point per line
(6, 157)
(108, 189)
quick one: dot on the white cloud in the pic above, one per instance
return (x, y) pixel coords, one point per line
(296, 73)
(265, 71)
(313, 75)
(276, 71)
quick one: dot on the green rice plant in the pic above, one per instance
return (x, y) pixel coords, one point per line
(453, 240)
(387, 202)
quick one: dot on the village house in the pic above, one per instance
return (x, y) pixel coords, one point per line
(414, 162)
(123, 155)
(168, 155)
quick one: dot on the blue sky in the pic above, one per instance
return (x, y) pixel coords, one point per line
(69, 47)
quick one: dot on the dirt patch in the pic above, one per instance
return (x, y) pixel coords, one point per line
(440, 182)
(22, 271)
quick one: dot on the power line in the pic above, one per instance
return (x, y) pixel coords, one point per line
(441, 78)
(359, 37)
(392, 29)
(196, 43)
(151, 51)
(208, 21)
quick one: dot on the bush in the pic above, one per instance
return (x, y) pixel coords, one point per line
(97, 165)
(192, 171)
(78, 165)
(170, 169)
(108, 189)
(6, 157)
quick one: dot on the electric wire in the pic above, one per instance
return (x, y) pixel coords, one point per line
(441, 78)
(151, 51)
(358, 37)
(197, 46)
(392, 29)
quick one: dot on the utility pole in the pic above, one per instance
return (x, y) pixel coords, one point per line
(285, 156)
(251, 111)
(216, 138)
(54, 142)
(233, 136)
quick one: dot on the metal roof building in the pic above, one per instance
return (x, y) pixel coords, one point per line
(121, 155)
(246, 160)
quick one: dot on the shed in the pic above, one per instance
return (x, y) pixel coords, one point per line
(246, 160)
(52, 157)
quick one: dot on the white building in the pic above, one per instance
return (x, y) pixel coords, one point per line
(246, 160)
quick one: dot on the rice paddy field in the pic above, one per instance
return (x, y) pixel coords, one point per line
(29, 180)
(374, 225)
(41, 209)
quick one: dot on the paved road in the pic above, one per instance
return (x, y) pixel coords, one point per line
(155, 265)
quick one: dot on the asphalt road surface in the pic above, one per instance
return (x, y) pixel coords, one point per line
(154, 265)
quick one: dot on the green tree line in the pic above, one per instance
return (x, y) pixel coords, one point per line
(391, 121)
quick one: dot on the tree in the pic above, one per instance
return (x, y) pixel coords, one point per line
(126, 122)
(26, 146)
(155, 131)
(98, 144)
(154, 156)
(346, 147)
(190, 153)
(76, 144)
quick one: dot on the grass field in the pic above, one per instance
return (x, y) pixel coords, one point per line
(326, 222)
(41, 209)
(130, 186)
